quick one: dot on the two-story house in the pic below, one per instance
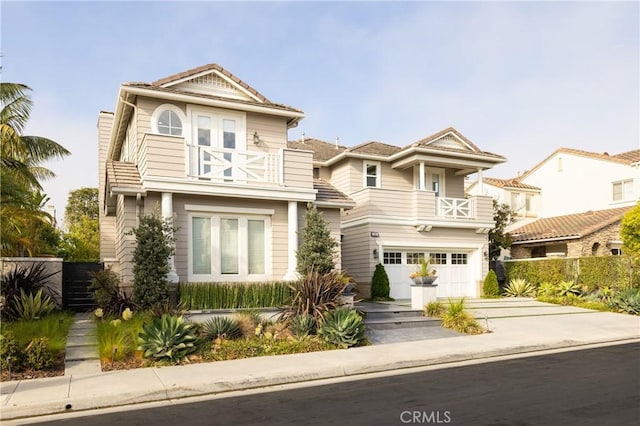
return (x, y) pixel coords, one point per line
(209, 151)
(410, 204)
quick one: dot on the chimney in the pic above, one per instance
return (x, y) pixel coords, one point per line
(302, 137)
(337, 142)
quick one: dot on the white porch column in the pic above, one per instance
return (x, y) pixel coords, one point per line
(480, 182)
(421, 181)
(167, 213)
(292, 230)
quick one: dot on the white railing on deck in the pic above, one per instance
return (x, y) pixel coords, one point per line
(456, 208)
(230, 165)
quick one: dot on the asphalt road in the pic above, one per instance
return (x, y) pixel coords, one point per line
(587, 387)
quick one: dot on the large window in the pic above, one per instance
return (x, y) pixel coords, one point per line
(371, 174)
(623, 190)
(228, 248)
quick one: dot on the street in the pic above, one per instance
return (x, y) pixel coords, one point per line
(585, 387)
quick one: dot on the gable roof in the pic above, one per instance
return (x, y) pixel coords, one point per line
(622, 158)
(375, 148)
(570, 226)
(451, 140)
(322, 150)
(508, 183)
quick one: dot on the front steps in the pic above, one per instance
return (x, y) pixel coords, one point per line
(379, 316)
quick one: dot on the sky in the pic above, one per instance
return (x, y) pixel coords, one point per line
(519, 79)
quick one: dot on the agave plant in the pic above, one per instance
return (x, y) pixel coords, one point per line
(566, 288)
(29, 306)
(168, 337)
(628, 301)
(519, 287)
(221, 327)
(547, 289)
(303, 325)
(342, 327)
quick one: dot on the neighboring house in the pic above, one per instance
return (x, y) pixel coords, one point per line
(522, 199)
(410, 204)
(575, 181)
(211, 152)
(590, 233)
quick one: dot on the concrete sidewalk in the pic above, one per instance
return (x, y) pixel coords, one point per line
(514, 334)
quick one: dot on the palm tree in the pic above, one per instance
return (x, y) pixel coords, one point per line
(21, 171)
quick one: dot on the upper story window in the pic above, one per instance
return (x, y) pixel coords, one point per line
(168, 119)
(623, 190)
(371, 171)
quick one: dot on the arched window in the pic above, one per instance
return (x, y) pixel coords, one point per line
(594, 249)
(167, 119)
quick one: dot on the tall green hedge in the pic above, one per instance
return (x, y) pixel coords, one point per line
(233, 295)
(594, 271)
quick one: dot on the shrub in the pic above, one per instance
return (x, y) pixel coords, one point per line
(456, 318)
(223, 327)
(303, 325)
(26, 277)
(565, 288)
(342, 327)
(518, 287)
(11, 355)
(628, 301)
(539, 271)
(490, 287)
(38, 355)
(234, 295)
(29, 306)
(256, 346)
(114, 341)
(107, 293)
(315, 294)
(317, 250)
(380, 287)
(247, 323)
(547, 289)
(154, 246)
(167, 337)
(434, 309)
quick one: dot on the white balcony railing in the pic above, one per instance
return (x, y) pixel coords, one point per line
(230, 165)
(455, 208)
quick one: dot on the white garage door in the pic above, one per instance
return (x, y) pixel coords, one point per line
(454, 274)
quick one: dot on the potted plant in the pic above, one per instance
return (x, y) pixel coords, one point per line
(423, 275)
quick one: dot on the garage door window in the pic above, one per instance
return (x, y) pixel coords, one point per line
(458, 258)
(415, 258)
(392, 258)
(438, 258)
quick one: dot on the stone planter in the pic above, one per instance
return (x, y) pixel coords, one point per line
(424, 280)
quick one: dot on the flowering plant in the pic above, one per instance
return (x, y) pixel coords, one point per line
(423, 270)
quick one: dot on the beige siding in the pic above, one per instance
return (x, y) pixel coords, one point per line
(357, 256)
(181, 223)
(107, 224)
(298, 168)
(144, 111)
(344, 175)
(162, 156)
(272, 132)
(395, 178)
(484, 208)
(454, 185)
(126, 220)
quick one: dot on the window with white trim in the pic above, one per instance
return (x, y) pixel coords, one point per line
(228, 247)
(392, 258)
(623, 190)
(168, 119)
(371, 171)
(458, 258)
(438, 258)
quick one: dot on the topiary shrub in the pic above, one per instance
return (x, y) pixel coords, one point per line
(154, 246)
(490, 287)
(317, 251)
(380, 288)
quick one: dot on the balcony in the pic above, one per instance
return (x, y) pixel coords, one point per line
(420, 206)
(228, 165)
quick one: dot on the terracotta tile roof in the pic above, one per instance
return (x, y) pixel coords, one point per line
(622, 158)
(630, 156)
(570, 226)
(375, 148)
(508, 183)
(322, 150)
(328, 193)
(121, 174)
